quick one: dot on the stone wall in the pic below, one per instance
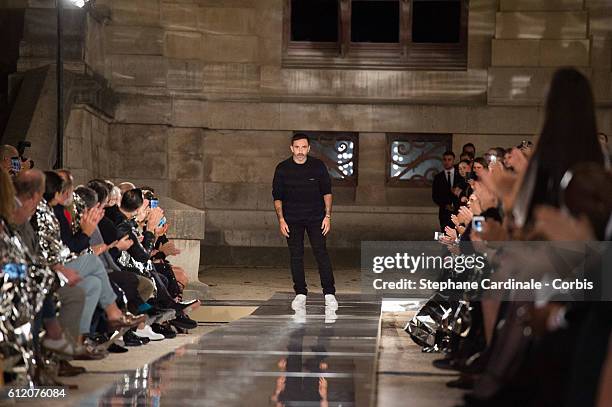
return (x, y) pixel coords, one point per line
(205, 107)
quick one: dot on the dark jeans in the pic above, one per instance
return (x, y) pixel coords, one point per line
(295, 241)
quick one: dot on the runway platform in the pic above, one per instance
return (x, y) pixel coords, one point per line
(269, 358)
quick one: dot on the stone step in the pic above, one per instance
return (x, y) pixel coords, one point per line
(541, 25)
(546, 53)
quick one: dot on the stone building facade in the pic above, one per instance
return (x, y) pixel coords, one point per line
(203, 105)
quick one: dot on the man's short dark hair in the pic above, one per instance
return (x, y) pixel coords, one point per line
(88, 195)
(448, 152)
(29, 182)
(468, 154)
(100, 187)
(53, 184)
(468, 145)
(132, 200)
(300, 136)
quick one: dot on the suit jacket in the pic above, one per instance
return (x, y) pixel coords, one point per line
(441, 191)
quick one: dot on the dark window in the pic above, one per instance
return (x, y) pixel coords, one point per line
(314, 20)
(338, 150)
(436, 21)
(375, 21)
(415, 159)
(375, 34)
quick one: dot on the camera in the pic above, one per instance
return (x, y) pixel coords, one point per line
(493, 159)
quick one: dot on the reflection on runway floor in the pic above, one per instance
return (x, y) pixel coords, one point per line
(270, 358)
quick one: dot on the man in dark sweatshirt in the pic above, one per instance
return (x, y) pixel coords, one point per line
(303, 201)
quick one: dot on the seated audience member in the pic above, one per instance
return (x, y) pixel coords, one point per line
(63, 330)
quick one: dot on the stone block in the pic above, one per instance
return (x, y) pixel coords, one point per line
(234, 115)
(74, 153)
(138, 138)
(261, 143)
(189, 113)
(228, 3)
(231, 77)
(241, 169)
(136, 12)
(186, 222)
(139, 164)
(185, 167)
(519, 85)
(515, 53)
(138, 70)
(140, 109)
(189, 192)
(565, 53)
(541, 53)
(230, 48)
(540, 5)
(330, 117)
(479, 53)
(221, 195)
(185, 75)
(188, 141)
(134, 40)
(179, 16)
(183, 44)
(226, 20)
(541, 25)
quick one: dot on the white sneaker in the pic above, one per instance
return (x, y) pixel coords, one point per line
(330, 316)
(147, 332)
(299, 304)
(330, 302)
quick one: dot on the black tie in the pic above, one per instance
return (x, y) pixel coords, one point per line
(448, 178)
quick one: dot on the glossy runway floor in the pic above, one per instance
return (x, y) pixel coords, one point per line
(270, 358)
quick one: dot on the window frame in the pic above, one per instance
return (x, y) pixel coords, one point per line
(404, 55)
(353, 137)
(447, 138)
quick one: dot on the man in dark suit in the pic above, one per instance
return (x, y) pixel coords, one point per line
(444, 191)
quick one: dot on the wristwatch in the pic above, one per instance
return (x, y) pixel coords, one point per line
(328, 216)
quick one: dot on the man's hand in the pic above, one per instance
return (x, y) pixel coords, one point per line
(90, 219)
(124, 243)
(71, 275)
(326, 225)
(99, 248)
(284, 228)
(169, 249)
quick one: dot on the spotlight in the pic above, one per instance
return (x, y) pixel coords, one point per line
(78, 3)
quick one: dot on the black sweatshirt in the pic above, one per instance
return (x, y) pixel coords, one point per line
(76, 242)
(301, 188)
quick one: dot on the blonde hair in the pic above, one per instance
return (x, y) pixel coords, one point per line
(7, 196)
